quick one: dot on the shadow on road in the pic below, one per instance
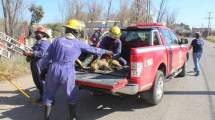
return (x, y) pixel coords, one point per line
(189, 92)
(19, 108)
(94, 107)
(89, 107)
(190, 73)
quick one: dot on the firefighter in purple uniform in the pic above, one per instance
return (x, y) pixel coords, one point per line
(63, 53)
(114, 44)
(35, 56)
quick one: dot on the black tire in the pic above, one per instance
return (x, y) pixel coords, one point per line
(155, 95)
(184, 70)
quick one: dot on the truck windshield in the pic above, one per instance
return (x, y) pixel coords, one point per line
(136, 35)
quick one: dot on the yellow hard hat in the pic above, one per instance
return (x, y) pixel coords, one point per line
(115, 32)
(73, 24)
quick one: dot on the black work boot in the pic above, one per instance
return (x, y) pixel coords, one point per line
(47, 112)
(39, 100)
(72, 112)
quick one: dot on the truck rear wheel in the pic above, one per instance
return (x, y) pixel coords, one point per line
(155, 95)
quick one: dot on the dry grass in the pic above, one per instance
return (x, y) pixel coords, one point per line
(211, 38)
(11, 69)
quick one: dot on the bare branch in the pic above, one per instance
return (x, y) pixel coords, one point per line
(123, 15)
(94, 11)
(74, 9)
(12, 10)
(139, 11)
(171, 18)
(162, 11)
(109, 8)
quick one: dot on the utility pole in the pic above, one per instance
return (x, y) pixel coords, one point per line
(209, 22)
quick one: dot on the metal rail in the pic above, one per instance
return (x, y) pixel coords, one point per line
(9, 44)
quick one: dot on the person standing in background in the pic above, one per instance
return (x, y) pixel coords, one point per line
(197, 46)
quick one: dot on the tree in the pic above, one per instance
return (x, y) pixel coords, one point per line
(73, 9)
(171, 18)
(94, 11)
(62, 10)
(108, 10)
(139, 11)
(162, 11)
(187, 27)
(37, 14)
(56, 29)
(123, 14)
(11, 11)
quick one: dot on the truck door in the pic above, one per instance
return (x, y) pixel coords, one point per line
(167, 39)
(177, 51)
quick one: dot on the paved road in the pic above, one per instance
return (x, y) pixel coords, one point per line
(188, 98)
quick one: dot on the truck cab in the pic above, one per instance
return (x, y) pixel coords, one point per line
(154, 54)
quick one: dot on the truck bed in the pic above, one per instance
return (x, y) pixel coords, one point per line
(110, 81)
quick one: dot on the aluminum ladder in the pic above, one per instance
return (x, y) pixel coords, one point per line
(9, 45)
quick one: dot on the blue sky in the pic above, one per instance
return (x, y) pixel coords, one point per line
(52, 11)
(192, 12)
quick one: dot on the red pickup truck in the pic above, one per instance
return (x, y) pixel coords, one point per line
(154, 54)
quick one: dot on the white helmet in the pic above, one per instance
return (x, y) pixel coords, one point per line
(49, 32)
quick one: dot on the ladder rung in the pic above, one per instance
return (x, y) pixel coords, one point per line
(10, 40)
(11, 44)
(5, 53)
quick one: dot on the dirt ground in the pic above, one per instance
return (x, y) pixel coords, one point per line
(13, 68)
(12, 103)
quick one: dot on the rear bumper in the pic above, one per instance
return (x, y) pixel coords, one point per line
(112, 88)
(129, 89)
(123, 88)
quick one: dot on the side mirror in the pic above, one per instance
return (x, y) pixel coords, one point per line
(184, 41)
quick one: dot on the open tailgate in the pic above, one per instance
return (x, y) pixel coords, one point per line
(111, 81)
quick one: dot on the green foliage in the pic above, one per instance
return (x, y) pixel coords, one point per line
(57, 29)
(180, 28)
(37, 13)
(187, 27)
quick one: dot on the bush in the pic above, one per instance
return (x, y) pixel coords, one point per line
(13, 68)
(211, 38)
(57, 29)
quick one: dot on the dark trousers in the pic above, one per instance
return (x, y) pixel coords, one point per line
(36, 78)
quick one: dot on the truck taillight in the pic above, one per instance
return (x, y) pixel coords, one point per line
(136, 69)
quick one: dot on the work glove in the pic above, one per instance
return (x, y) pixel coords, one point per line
(109, 53)
(28, 59)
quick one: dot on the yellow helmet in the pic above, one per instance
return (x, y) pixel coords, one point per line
(73, 24)
(115, 32)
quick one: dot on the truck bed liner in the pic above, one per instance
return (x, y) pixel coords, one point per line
(104, 80)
